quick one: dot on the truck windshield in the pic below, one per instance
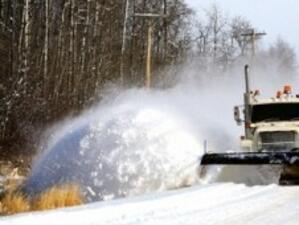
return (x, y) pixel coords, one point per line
(275, 112)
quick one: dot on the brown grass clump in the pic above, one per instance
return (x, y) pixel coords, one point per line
(14, 202)
(58, 197)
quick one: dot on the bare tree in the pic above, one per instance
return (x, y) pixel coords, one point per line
(281, 58)
(239, 26)
(46, 44)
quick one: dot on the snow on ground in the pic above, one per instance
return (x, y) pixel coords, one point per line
(222, 203)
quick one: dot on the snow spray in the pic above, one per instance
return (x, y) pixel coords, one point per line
(136, 142)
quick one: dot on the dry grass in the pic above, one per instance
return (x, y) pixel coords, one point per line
(56, 197)
(14, 202)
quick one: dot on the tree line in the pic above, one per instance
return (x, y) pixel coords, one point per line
(58, 54)
(62, 53)
(222, 42)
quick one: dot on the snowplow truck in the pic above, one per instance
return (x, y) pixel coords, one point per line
(271, 133)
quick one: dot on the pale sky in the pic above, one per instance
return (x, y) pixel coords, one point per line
(276, 17)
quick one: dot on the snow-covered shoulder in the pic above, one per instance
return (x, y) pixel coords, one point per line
(206, 204)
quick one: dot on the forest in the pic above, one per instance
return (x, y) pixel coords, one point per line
(57, 56)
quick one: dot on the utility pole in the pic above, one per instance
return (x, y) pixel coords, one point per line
(150, 17)
(254, 36)
(149, 56)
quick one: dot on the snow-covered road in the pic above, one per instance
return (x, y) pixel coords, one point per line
(206, 204)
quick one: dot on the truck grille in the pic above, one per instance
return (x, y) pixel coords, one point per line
(278, 140)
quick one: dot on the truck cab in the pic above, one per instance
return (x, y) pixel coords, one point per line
(270, 124)
(271, 136)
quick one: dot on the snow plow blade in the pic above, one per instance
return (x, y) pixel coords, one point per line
(252, 158)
